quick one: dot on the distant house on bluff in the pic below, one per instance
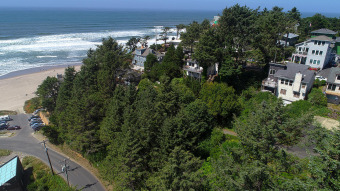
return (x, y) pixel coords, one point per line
(140, 54)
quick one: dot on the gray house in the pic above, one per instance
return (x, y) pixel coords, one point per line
(140, 55)
(332, 77)
(291, 82)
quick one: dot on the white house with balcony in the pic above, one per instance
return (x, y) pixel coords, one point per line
(315, 52)
(291, 82)
(193, 69)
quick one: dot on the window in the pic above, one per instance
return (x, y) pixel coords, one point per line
(318, 62)
(311, 61)
(282, 81)
(331, 87)
(286, 82)
(296, 94)
(338, 77)
(317, 52)
(313, 51)
(300, 48)
(315, 42)
(319, 42)
(283, 91)
(303, 86)
(320, 53)
(290, 83)
(272, 71)
(323, 43)
(314, 62)
(307, 49)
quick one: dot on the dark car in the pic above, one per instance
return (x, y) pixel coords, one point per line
(15, 127)
(33, 117)
(37, 125)
(36, 121)
(3, 126)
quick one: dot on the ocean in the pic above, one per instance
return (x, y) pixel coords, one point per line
(31, 38)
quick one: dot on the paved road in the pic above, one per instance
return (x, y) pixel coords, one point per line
(26, 143)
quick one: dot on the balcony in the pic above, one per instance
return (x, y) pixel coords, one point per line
(193, 69)
(302, 53)
(269, 83)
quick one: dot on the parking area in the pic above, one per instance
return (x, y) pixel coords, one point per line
(10, 125)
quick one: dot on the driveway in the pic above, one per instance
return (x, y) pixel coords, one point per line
(24, 142)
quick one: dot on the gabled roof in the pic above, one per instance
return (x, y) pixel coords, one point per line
(337, 39)
(322, 38)
(290, 35)
(333, 72)
(324, 31)
(292, 69)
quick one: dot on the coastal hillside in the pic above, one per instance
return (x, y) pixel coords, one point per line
(173, 130)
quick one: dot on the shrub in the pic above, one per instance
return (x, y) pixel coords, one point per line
(32, 104)
(317, 98)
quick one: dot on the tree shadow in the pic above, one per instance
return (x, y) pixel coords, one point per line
(88, 185)
(27, 177)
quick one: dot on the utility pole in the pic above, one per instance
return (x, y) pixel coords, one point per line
(65, 169)
(48, 157)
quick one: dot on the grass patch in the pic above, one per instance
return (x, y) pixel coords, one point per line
(40, 178)
(7, 112)
(4, 152)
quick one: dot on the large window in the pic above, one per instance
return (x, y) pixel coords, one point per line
(303, 85)
(283, 91)
(290, 83)
(317, 52)
(318, 62)
(331, 87)
(338, 77)
(320, 53)
(286, 82)
(296, 94)
(272, 71)
(313, 51)
(319, 42)
(311, 61)
(314, 62)
(315, 42)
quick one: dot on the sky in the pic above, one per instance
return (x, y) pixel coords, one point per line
(323, 6)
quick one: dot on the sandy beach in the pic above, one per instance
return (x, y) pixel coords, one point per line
(16, 90)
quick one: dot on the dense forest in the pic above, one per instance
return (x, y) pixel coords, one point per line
(170, 132)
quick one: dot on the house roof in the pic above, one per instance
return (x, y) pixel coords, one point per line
(324, 31)
(337, 39)
(292, 69)
(324, 73)
(148, 51)
(333, 72)
(8, 170)
(291, 35)
(322, 38)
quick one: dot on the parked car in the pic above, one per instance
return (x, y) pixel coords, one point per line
(15, 127)
(35, 122)
(3, 126)
(39, 123)
(37, 127)
(5, 118)
(33, 117)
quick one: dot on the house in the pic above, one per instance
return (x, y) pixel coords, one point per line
(289, 39)
(193, 69)
(332, 77)
(11, 175)
(140, 55)
(290, 81)
(323, 32)
(315, 52)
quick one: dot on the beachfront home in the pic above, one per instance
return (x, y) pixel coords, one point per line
(140, 55)
(193, 69)
(290, 81)
(315, 52)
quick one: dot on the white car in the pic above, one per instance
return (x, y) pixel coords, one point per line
(320, 78)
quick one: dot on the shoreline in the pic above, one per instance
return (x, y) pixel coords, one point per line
(20, 86)
(37, 70)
